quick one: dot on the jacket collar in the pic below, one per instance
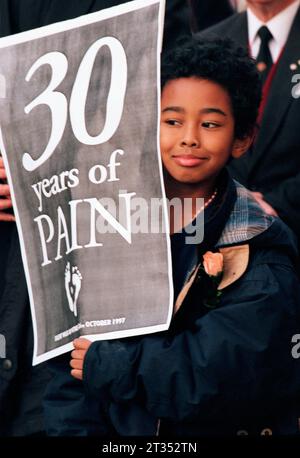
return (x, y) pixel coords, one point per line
(246, 221)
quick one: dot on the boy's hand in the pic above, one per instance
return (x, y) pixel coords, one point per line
(5, 199)
(81, 346)
(258, 196)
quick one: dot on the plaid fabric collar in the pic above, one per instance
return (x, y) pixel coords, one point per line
(246, 221)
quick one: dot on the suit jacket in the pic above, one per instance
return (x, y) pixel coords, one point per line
(272, 165)
(206, 13)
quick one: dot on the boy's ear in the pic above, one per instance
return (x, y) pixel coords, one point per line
(241, 145)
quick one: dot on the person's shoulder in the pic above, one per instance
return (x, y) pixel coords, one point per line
(224, 28)
(246, 219)
(268, 238)
(277, 246)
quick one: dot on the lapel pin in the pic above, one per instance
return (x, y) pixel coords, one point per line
(293, 66)
(261, 66)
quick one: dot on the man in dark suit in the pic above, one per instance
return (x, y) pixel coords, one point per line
(271, 168)
(21, 385)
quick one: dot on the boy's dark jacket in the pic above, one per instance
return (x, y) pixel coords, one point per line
(223, 371)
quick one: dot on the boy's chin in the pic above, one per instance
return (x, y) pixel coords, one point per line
(188, 180)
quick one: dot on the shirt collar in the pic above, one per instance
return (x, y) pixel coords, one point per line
(279, 26)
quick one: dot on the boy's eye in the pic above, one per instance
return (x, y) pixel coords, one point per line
(210, 125)
(172, 122)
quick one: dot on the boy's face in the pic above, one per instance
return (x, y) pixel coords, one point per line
(196, 131)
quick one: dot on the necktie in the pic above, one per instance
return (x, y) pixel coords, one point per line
(264, 59)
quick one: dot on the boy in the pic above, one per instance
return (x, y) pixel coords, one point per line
(224, 367)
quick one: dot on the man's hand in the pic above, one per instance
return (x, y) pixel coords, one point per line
(5, 199)
(258, 196)
(81, 346)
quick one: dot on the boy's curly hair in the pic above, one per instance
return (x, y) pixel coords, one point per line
(222, 62)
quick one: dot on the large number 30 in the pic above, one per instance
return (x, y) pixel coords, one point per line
(58, 103)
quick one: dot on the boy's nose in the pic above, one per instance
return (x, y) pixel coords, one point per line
(190, 138)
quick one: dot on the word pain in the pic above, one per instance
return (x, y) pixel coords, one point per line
(54, 237)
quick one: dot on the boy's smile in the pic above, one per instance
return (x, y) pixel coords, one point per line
(197, 131)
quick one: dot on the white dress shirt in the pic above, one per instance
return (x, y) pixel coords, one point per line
(279, 26)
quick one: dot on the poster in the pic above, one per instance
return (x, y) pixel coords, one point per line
(79, 114)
